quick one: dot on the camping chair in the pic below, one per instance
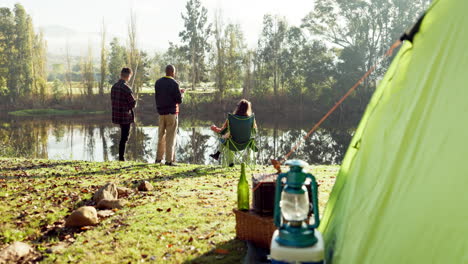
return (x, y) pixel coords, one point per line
(240, 145)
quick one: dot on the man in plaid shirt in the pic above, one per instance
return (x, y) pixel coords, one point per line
(123, 103)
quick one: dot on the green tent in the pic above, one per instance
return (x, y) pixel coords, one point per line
(402, 192)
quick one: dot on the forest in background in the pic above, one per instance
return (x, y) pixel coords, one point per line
(293, 68)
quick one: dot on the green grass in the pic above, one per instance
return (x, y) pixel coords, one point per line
(187, 218)
(53, 112)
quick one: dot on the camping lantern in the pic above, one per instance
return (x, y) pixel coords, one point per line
(292, 207)
(296, 240)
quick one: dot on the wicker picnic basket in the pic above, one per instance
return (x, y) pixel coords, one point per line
(263, 193)
(255, 228)
(256, 225)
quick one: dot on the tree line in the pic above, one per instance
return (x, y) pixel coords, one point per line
(308, 64)
(23, 55)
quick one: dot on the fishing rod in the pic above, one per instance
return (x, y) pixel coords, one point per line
(277, 163)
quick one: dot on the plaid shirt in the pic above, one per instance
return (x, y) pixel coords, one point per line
(122, 103)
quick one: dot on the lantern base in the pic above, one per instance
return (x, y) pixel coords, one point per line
(293, 255)
(296, 236)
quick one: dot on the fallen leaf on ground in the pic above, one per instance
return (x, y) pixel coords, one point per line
(221, 251)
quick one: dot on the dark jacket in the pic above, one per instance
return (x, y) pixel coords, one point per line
(122, 103)
(168, 96)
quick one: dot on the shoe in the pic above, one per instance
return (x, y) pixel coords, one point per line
(231, 165)
(172, 164)
(215, 155)
(157, 161)
(121, 159)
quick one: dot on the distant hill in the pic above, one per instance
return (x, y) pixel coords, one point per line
(78, 42)
(57, 37)
(57, 31)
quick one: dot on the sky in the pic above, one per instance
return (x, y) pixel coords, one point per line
(158, 22)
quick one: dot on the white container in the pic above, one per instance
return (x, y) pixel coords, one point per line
(295, 255)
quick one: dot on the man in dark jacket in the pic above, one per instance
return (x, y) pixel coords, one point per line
(168, 97)
(123, 103)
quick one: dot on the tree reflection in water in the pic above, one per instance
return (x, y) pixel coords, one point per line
(98, 141)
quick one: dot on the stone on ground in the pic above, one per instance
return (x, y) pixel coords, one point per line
(124, 192)
(18, 252)
(108, 191)
(111, 204)
(105, 213)
(83, 216)
(145, 186)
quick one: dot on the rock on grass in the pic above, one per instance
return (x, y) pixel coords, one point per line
(83, 216)
(111, 204)
(105, 213)
(108, 191)
(18, 252)
(124, 192)
(145, 186)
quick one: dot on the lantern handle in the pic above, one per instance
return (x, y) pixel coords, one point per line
(277, 210)
(314, 198)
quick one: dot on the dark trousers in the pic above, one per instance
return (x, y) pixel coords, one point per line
(124, 134)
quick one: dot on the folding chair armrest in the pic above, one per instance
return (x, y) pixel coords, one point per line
(224, 131)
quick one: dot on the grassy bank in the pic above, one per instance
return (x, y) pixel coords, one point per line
(187, 218)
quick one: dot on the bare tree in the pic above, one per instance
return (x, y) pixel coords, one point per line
(68, 74)
(132, 50)
(88, 73)
(103, 59)
(220, 44)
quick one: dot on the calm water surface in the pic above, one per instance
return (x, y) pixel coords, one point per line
(96, 139)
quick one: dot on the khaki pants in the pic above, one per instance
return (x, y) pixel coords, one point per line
(167, 137)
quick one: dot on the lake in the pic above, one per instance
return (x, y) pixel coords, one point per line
(95, 138)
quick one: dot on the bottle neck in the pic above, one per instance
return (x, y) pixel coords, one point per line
(243, 177)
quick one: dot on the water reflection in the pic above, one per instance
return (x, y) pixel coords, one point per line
(96, 140)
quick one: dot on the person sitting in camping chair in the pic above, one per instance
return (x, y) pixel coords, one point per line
(237, 136)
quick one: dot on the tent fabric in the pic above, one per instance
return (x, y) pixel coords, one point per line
(401, 195)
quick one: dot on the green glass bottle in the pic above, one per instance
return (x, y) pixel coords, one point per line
(243, 191)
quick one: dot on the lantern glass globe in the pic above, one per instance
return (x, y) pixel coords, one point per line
(295, 207)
